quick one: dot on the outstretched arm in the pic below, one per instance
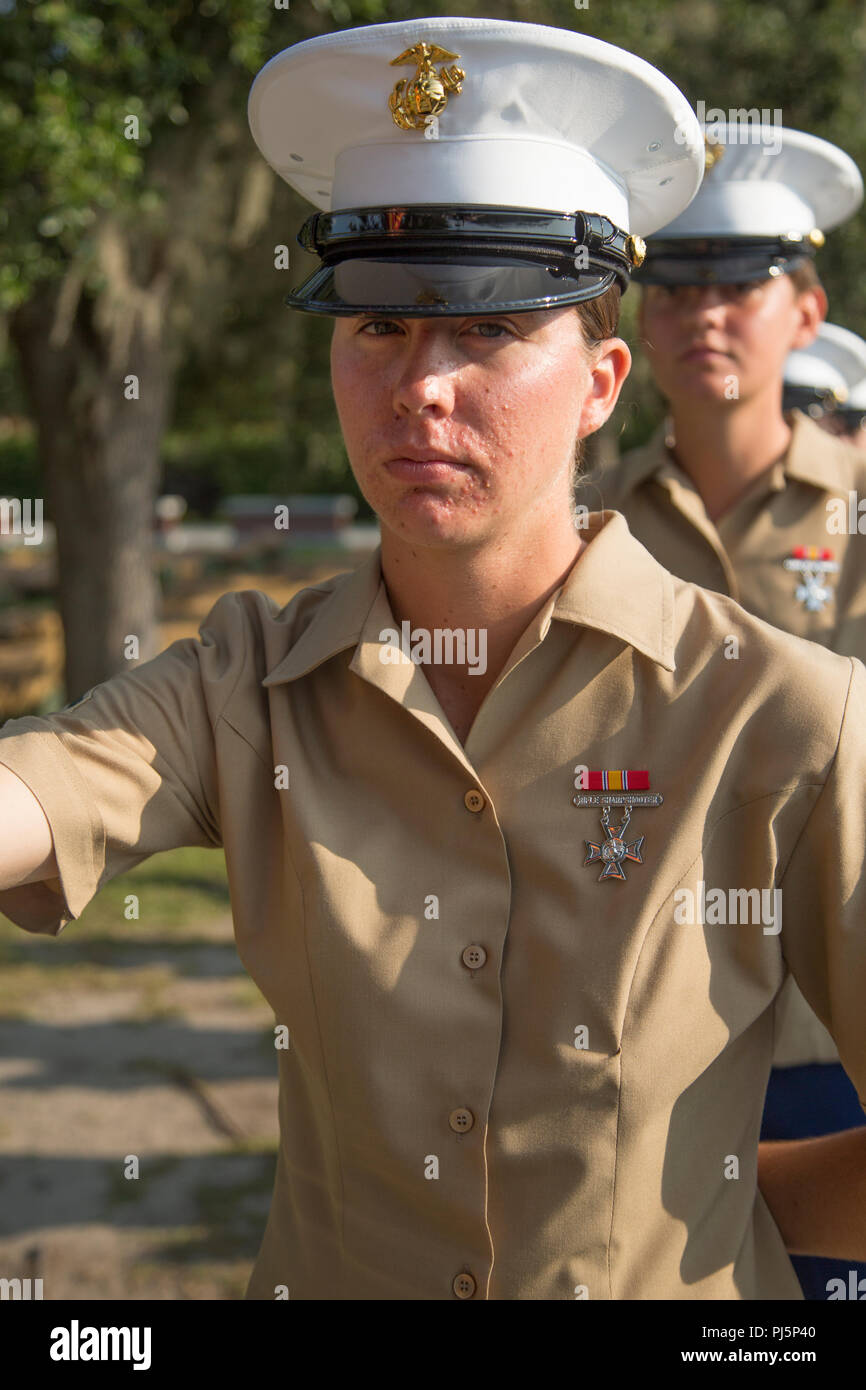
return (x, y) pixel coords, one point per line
(26, 846)
(27, 859)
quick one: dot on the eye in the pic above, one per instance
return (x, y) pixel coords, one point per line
(751, 289)
(377, 323)
(491, 323)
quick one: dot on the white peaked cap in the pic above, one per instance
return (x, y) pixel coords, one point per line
(769, 181)
(546, 119)
(835, 361)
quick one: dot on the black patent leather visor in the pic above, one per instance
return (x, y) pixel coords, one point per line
(811, 400)
(719, 260)
(432, 260)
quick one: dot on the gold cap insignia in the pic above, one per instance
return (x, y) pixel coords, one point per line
(636, 248)
(816, 237)
(413, 102)
(713, 150)
(429, 297)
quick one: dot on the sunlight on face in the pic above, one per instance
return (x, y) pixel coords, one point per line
(497, 400)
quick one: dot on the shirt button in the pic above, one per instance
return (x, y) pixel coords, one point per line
(461, 1120)
(464, 1285)
(474, 801)
(474, 957)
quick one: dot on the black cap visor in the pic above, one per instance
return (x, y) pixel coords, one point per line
(811, 400)
(719, 260)
(427, 261)
(853, 416)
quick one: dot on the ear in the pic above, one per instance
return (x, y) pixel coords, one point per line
(608, 368)
(811, 310)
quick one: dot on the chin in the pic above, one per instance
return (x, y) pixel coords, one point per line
(703, 388)
(434, 526)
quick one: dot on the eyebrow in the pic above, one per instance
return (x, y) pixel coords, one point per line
(534, 318)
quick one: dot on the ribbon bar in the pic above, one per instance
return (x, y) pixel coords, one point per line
(810, 552)
(616, 780)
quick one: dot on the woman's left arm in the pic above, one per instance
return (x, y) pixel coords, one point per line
(816, 1192)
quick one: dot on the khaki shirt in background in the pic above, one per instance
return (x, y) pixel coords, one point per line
(742, 554)
(506, 1078)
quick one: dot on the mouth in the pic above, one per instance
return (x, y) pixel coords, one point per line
(425, 467)
(702, 353)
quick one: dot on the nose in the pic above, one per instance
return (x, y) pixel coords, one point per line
(424, 373)
(704, 299)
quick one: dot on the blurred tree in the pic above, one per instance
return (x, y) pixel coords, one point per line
(130, 189)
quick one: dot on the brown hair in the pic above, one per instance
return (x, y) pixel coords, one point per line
(599, 320)
(805, 277)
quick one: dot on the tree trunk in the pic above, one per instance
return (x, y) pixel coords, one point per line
(100, 453)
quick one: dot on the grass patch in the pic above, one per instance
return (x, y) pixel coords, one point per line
(23, 986)
(121, 1191)
(177, 892)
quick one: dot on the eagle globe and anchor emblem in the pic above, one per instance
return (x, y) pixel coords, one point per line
(414, 102)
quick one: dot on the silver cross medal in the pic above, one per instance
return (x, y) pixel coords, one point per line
(614, 851)
(812, 593)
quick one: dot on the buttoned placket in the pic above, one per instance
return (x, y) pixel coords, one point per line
(480, 962)
(352, 618)
(688, 504)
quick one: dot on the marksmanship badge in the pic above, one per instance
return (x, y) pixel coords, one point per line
(812, 562)
(413, 102)
(615, 787)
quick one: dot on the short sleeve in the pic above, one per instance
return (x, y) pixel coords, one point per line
(824, 893)
(130, 768)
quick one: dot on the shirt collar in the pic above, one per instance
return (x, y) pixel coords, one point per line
(819, 458)
(336, 624)
(813, 456)
(615, 587)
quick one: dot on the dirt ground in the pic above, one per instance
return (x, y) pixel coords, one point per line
(162, 1050)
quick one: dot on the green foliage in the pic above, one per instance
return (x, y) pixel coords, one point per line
(73, 71)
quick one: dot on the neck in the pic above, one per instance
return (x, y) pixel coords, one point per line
(495, 588)
(724, 446)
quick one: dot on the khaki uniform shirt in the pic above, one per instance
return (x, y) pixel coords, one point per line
(742, 554)
(506, 1078)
